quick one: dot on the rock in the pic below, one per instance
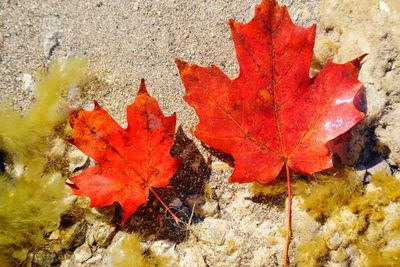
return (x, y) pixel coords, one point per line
(117, 238)
(191, 257)
(54, 235)
(101, 234)
(351, 30)
(382, 165)
(57, 148)
(77, 237)
(213, 231)
(339, 256)
(29, 84)
(335, 240)
(302, 223)
(98, 260)
(240, 206)
(389, 132)
(261, 257)
(76, 160)
(82, 253)
(176, 203)
(361, 172)
(51, 40)
(220, 166)
(209, 209)
(45, 258)
(164, 248)
(67, 263)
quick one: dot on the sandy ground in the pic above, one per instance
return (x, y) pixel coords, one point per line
(124, 41)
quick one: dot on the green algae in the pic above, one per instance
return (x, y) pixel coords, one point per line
(32, 197)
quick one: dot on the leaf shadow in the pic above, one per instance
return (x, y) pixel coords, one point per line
(152, 221)
(222, 156)
(276, 199)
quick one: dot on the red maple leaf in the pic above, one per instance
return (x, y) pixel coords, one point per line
(130, 161)
(273, 114)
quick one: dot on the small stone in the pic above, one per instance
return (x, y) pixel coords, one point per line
(213, 231)
(210, 208)
(82, 253)
(67, 263)
(335, 241)
(51, 40)
(241, 206)
(29, 84)
(76, 160)
(58, 147)
(88, 107)
(101, 234)
(261, 257)
(97, 260)
(164, 248)
(176, 204)
(339, 255)
(220, 166)
(119, 236)
(54, 235)
(78, 236)
(361, 173)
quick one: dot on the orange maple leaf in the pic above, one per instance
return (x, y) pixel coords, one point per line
(273, 114)
(130, 161)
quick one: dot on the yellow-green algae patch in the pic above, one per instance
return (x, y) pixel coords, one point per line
(31, 198)
(360, 224)
(129, 252)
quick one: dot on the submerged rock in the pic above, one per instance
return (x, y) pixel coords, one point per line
(45, 259)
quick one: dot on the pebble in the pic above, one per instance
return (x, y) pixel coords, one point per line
(76, 159)
(213, 231)
(82, 253)
(29, 84)
(164, 248)
(101, 234)
(51, 40)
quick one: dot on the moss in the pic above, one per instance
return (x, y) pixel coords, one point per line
(367, 219)
(321, 196)
(129, 252)
(208, 191)
(327, 194)
(312, 253)
(274, 188)
(32, 198)
(21, 136)
(358, 222)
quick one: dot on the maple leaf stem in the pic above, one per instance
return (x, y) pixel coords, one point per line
(177, 220)
(289, 217)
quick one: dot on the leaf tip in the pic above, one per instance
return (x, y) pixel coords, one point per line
(142, 88)
(231, 23)
(70, 140)
(96, 105)
(181, 64)
(71, 184)
(359, 61)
